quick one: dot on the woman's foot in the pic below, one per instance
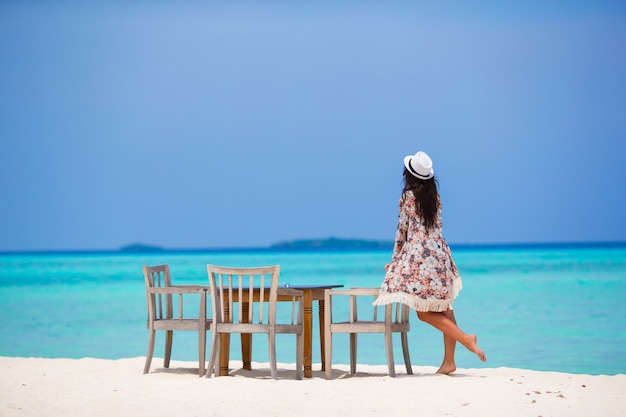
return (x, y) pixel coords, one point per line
(446, 368)
(472, 345)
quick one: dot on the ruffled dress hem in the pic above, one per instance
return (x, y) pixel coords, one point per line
(420, 304)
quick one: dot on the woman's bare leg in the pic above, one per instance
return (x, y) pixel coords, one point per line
(449, 328)
(449, 346)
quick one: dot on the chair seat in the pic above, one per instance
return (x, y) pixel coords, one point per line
(190, 325)
(241, 328)
(364, 326)
(257, 328)
(289, 328)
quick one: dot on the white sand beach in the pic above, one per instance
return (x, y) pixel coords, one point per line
(95, 387)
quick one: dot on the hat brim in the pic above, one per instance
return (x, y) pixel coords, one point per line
(407, 165)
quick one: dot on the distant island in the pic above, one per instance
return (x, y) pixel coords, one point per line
(140, 247)
(327, 244)
(333, 243)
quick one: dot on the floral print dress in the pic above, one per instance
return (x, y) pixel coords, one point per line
(422, 273)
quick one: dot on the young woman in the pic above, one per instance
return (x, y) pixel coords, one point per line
(422, 273)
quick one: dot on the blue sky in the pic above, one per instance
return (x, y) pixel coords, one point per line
(239, 124)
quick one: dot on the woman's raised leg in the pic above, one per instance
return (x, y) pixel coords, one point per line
(445, 323)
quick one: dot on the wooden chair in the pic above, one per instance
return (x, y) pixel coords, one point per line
(396, 320)
(236, 309)
(163, 316)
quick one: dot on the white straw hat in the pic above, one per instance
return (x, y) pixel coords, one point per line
(420, 165)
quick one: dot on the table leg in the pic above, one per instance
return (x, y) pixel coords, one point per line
(225, 348)
(322, 339)
(308, 334)
(224, 354)
(246, 340)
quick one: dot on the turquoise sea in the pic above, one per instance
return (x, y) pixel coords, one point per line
(552, 308)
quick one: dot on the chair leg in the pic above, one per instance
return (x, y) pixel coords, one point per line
(213, 366)
(389, 349)
(328, 334)
(328, 352)
(271, 342)
(169, 336)
(405, 351)
(201, 352)
(353, 341)
(151, 338)
(299, 355)
(202, 329)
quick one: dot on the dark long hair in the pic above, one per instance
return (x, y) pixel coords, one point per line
(426, 197)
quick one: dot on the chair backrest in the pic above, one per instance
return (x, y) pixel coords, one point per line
(230, 292)
(160, 305)
(395, 313)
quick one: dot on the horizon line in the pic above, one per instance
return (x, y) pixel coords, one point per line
(151, 249)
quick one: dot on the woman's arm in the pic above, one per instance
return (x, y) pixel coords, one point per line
(403, 226)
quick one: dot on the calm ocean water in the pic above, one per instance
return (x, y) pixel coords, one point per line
(543, 308)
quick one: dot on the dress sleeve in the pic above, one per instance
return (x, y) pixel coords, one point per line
(403, 227)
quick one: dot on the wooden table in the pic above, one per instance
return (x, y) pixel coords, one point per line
(311, 293)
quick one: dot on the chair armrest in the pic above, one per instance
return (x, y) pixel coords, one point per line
(354, 291)
(180, 289)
